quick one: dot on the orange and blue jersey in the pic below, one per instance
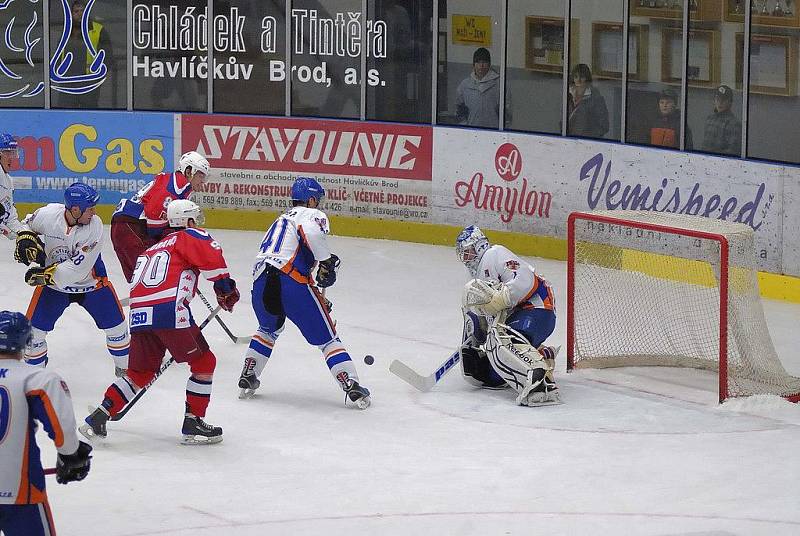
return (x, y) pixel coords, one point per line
(294, 243)
(29, 394)
(526, 288)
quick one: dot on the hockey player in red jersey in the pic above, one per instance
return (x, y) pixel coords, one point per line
(29, 394)
(164, 282)
(139, 222)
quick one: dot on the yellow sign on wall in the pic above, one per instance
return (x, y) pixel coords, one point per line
(472, 30)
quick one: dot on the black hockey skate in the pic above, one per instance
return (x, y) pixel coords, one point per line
(198, 432)
(248, 383)
(95, 426)
(358, 395)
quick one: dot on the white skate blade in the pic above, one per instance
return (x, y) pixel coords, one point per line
(362, 403)
(200, 440)
(86, 431)
(551, 398)
(246, 394)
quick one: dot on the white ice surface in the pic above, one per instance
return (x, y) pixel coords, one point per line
(631, 452)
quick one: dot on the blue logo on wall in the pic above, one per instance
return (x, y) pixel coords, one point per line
(92, 75)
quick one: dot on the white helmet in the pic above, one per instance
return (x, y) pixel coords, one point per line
(194, 160)
(180, 211)
(471, 244)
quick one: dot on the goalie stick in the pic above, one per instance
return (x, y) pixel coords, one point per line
(423, 383)
(234, 338)
(164, 366)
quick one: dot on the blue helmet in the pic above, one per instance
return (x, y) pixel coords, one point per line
(81, 195)
(7, 142)
(304, 188)
(15, 332)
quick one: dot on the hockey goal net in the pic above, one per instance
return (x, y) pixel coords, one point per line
(649, 288)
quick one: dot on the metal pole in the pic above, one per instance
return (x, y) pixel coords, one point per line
(746, 76)
(46, 51)
(363, 86)
(503, 80)
(435, 62)
(565, 68)
(684, 71)
(210, 56)
(625, 59)
(288, 59)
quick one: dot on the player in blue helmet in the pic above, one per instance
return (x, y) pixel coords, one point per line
(285, 288)
(70, 270)
(15, 332)
(9, 153)
(509, 311)
(40, 395)
(304, 188)
(82, 197)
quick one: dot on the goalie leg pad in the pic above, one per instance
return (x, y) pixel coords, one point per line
(478, 371)
(520, 365)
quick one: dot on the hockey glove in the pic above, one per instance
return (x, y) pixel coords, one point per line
(40, 277)
(29, 249)
(227, 293)
(74, 467)
(3, 212)
(486, 298)
(326, 273)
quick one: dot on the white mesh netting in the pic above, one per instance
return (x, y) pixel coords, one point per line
(652, 297)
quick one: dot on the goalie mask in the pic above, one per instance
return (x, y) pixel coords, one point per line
(471, 244)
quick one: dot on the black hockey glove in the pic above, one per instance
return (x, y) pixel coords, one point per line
(326, 273)
(41, 277)
(29, 249)
(3, 212)
(74, 467)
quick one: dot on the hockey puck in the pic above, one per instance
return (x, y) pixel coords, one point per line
(368, 359)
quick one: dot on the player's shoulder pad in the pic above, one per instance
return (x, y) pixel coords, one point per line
(200, 234)
(320, 220)
(39, 378)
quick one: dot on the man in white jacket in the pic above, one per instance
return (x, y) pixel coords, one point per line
(478, 95)
(9, 221)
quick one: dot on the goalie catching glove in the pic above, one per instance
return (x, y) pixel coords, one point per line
(41, 277)
(29, 249)
(326, 273)
(227, 293)
(487, 298)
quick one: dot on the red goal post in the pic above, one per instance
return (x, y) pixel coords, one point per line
(659, 289)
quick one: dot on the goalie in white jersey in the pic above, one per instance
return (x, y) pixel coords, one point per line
(283, 288)
(509, 311)
(66, 241)
(9, 221)
(29, 394)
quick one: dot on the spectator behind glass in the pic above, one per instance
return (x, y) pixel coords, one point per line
(665, 128)
(586, 108)
(723, 131)
(100, 40)
(478, 95)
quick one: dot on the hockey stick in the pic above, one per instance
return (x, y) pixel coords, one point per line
(234, 338)
(164, 366)
(423, 383)
(50, 471)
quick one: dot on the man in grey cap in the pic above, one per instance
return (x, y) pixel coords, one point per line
(478, 95)
(723, 131)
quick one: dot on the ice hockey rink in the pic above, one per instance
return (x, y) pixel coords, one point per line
(630, 452)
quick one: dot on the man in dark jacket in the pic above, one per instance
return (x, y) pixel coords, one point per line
(586, 108)
(723, 131)
(665, 130)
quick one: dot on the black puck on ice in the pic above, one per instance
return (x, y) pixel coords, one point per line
(368, 359)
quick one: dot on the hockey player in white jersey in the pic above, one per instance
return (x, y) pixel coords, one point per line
(509, 311)
(284, 288)
(29, 394)
(66, 241)
(9, 221)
